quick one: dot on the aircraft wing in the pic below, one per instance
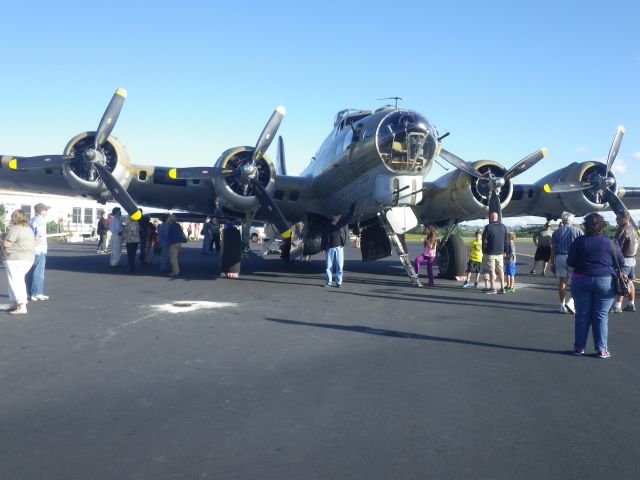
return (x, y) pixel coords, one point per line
(151, 186)
(148, 186)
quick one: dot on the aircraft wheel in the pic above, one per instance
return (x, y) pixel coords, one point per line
(230, 252)
(452, 257)
(254, 237)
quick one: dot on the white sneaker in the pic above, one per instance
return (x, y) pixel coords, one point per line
(571, 306)
(35, 298)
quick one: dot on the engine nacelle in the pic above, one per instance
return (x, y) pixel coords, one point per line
(233, 193)
(82, 176)
(580, 203)
(459, 196)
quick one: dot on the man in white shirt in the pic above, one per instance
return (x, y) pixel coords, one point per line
(39, 226)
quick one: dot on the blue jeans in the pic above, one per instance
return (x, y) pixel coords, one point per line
(164, 259)
(37, 272)
(206, 245)
(335, 261)
(593, 297)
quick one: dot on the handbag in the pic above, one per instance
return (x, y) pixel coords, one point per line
(620, 280)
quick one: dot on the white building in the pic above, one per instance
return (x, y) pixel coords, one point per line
(77, 215)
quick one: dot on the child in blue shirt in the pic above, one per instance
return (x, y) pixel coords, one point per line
(510, 263)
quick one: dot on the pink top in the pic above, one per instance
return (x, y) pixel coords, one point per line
(429, 252)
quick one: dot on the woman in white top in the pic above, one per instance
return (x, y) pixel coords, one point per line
(18, 255)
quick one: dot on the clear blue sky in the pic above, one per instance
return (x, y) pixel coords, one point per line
(506, 78)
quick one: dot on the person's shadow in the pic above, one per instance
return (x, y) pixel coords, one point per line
(413, 336)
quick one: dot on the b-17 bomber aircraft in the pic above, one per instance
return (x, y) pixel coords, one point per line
(373, 161)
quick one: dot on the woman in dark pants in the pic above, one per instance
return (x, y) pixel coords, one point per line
(591, 257)
(131, 232)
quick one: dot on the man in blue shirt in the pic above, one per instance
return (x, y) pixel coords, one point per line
(561, 240)
(39, 226)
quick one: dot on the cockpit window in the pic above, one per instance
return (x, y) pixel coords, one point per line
(406, 141)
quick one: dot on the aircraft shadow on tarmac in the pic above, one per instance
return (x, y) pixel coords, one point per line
(412, 336)
(195, 266)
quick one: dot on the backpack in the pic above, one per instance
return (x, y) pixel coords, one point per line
(629, 242)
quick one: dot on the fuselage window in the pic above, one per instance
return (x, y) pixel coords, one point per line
(142, 175)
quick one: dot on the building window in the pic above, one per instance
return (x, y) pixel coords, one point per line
(99, 213)
(76, 215)
(88, 216)
(26, 209)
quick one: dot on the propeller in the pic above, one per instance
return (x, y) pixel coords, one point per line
(93, 156)
(495, 183)
(281, 166)
(246, 173)
(600, 186)
(276, 216)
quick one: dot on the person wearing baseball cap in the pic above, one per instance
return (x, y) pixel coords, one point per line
(39, 226)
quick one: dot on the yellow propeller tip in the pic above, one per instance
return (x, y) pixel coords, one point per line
(621, 128)
(13, 164)
(280, 109)
(173, 173)
(137, 215)
(122, 92)
(286, 234)
(544, 151)
(547, 188)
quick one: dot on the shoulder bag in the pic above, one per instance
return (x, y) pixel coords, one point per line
(620, 280)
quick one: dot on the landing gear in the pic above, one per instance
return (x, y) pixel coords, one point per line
(230, 253)
(400, 250)
(452, 257)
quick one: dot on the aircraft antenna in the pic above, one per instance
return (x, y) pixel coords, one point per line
(391, 98)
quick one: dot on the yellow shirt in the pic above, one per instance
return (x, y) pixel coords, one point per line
(475, 251)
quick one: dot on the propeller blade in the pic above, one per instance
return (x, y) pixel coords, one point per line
(266, 137)
(39, 161)
(459, 163)
(617, 206)
(281, 166)
(615, 146)
(566, 186)
(119, 194)
(201, 173)
(277, 218)
(494, 204)
(108, 121)
(525, 164)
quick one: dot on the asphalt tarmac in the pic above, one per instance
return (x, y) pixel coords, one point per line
(273, 376)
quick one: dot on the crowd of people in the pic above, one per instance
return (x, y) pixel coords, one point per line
(585, 263)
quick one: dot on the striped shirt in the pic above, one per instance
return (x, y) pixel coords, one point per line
(563, 238)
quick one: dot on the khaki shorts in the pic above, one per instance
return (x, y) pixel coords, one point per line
(492, 263)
